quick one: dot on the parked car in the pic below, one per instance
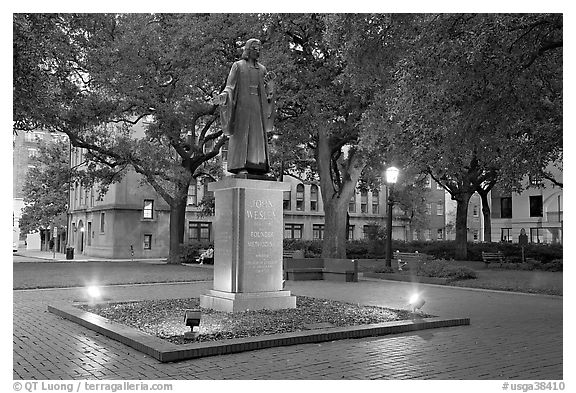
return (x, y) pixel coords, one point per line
(14, 246)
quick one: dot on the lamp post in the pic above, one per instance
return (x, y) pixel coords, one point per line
(391, 178)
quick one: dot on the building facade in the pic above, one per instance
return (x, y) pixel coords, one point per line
(538, 210)
(131, 220)
(25, 146)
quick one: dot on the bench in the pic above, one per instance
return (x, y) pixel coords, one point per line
(410, 260)
(292, 254)
(340, 270)
(303, 269)
(497, 256)
(330, 269)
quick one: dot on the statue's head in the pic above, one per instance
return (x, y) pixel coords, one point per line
(252, 49)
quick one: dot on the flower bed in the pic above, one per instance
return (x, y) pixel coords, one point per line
(164, 318)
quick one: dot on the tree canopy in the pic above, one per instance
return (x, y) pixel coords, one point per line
(46, 188)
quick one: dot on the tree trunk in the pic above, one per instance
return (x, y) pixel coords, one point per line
(335, 217)
(462, 225)
(177, 224)
(486, 215)
(335, 195)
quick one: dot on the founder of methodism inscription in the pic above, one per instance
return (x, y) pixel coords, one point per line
(247, 112)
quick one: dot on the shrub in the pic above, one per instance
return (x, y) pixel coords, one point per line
(545, 254)
(384, 269)
(188, 253)
(445, 269)
(312, 248)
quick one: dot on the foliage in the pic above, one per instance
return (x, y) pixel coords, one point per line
(476, 100)
(189, 253)
(312, 248)
(544, 254)
(445, 269)
(132, 89)
(46, 188)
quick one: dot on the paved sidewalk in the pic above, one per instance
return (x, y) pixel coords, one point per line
(49, 256)
(511, 336)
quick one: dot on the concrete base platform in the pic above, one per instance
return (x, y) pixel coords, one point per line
(237, 302)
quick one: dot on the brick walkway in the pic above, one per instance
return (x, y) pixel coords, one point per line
(511, 336)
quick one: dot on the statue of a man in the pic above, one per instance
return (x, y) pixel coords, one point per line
(247, 112)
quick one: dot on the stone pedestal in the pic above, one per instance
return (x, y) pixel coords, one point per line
(248, 233)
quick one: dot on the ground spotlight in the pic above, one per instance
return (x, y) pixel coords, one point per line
(192, 318)
(416, 302)
(93, 292)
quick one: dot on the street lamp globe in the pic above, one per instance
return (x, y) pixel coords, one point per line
(392, 175)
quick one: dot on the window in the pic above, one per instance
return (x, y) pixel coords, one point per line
(352, 204)
(363, 201)
(370, 231)
(506, 207)
(199, 231)
(375, 202)
(193, 193)
(287, 204)
(300, 197)
(293, 231)
(536, 235)
(208, 146)
(350, 232)
(429, 208)
(428, 182)
(207, 194)
(428, 234)
(318, 231)
(440, 234)
(475, 235)
(536, 206)
(32, 152)
(86, 196)
(89, 235)
(535, 181)
(91, 197)
(76, 190)
(439, 208)
(147, 242)
(224, 152)
(29, 137)
(506, 235)
(313, 197)
(148, 208)
(102, 220)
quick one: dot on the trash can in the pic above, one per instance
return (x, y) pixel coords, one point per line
(69, 252)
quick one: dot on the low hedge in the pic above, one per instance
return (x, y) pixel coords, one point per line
(548, 256)
(188, 253)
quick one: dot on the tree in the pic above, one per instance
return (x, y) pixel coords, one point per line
(467, 110)
(46, 189)
(134, 90)
(319, 109)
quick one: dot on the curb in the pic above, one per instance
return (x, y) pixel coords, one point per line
(165, 351)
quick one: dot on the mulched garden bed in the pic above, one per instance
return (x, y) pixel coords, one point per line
(165, 318)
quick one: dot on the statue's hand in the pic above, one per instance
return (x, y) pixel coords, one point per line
(219, 99)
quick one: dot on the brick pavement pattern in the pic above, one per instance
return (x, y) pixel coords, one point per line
(511, 336)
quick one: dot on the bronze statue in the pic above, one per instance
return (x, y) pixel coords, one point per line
(247, 112)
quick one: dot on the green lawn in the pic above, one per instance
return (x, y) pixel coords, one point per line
(549, 283)
(72, 274)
